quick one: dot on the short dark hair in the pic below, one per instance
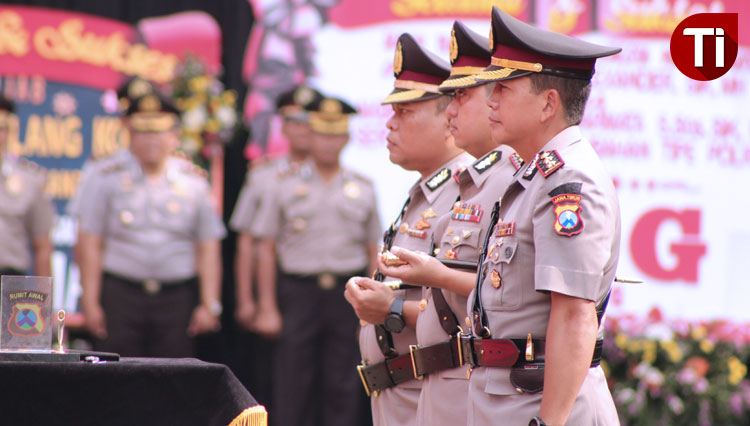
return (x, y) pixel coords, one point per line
(574, 94)
(442, 103)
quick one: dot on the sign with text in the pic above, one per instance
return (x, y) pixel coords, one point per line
(26, 313)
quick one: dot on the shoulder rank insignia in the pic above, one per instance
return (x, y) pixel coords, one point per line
(438, 179)
(567, 200)
(467, 212)
(517, 161)
(531, 169)
(548, 162)
(488, 160)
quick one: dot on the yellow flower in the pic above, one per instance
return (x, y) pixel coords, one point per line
(212, 125)
(737, 370)
(229, 97)
(672, 349)
(699, 333)
(621, 340)
(707, 346)
(649, 352)
(199, 84)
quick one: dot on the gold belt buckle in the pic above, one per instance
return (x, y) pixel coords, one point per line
(151, 287)
(326, 281)
(361, 371)
(412, 350)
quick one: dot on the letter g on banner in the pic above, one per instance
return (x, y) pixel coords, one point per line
(688, 250)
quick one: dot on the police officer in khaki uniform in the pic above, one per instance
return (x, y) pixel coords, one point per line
(418, 140)
(26, 213)
(459, 234)
(290, 105)
(320, 226)
(552, 256)
(150, 245)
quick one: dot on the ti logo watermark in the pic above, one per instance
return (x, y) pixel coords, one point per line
(704, 46)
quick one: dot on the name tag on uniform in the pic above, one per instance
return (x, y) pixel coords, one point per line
(505, 229)
(467, 212)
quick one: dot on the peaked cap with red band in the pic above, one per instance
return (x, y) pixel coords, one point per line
(469, 55)
(418, 72)
(520, 49)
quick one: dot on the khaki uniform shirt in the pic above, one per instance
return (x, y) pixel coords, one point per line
(459, 235)
(320, 226)
(257, 181)
(429, 199)
(150, 228)
(91, 170)
(565, 238)
(26, 212)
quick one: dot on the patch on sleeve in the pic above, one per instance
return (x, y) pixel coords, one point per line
(567, 188)
(567, 210)
(549, 162)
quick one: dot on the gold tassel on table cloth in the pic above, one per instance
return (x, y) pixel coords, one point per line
(253, 416)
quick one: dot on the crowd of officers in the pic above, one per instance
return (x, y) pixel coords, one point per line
(482, 303)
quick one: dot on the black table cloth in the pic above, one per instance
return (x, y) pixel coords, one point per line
(133, 391)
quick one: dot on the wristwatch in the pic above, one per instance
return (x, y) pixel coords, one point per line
(215, 308)
(537, 421)
(394, 321)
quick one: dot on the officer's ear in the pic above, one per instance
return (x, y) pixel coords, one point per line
(551, 104)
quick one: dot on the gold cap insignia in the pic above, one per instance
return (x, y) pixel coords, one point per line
(303, 96)
(330, 106)
(398, 60)
(454, 46)
(149, 103)
(138, 88)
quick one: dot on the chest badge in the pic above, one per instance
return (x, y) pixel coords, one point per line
(14, 185)
(127, 217)
(495, 279)
(505, 229)
(351, 190)
(567, 210)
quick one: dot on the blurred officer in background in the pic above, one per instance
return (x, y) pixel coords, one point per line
(319, 227)
(260, 178)
(150, 254)
(26, 213)
(418, 140)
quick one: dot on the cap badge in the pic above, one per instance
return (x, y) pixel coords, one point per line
(398, 60)
(149, 103)
(303, 96)
(453, 46)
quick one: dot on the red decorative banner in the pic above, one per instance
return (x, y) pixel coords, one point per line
(76, 48)
(647, 18)
(565, 16)
(351, 13)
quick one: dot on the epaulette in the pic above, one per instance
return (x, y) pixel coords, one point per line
(30, 165)
(549, 162)
(355, 175)
(114, 167)
(517, 161)
(193, 169)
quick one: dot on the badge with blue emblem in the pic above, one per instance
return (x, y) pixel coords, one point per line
(568, 220)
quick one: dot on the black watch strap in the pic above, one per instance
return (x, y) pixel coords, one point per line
(537, 421)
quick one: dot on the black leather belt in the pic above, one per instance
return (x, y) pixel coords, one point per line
(385, 374)
(438, 357)
(509, 352)
(152, 287)
(325, 280)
